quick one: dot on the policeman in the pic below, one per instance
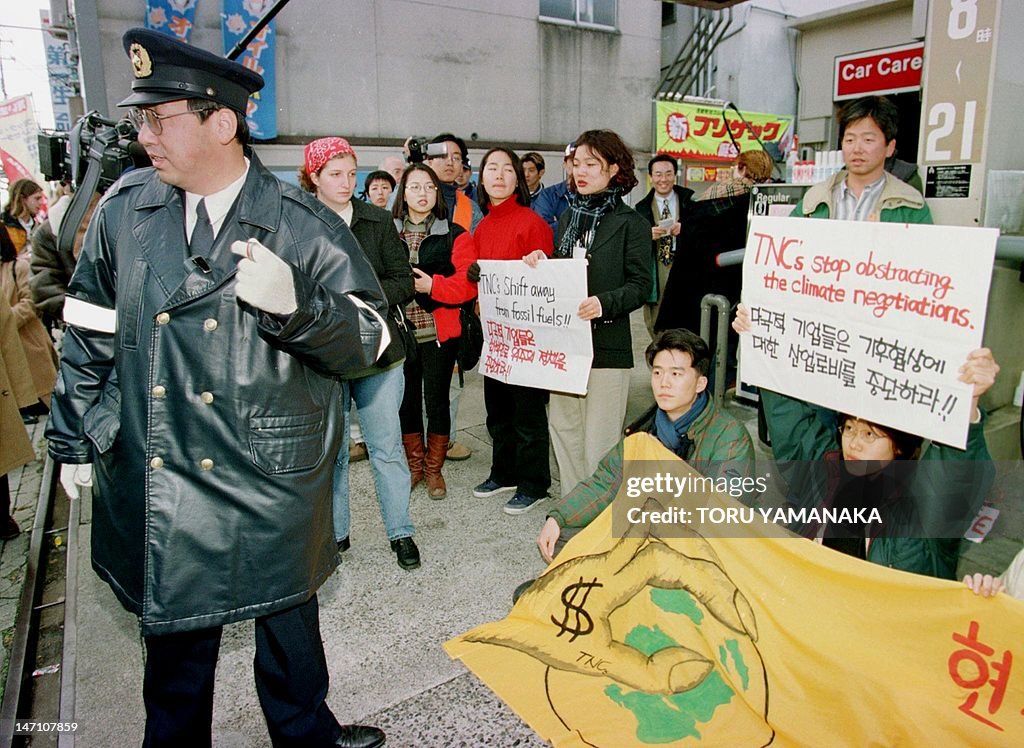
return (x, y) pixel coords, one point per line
(210, 311)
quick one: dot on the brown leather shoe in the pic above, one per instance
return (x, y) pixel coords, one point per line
(413, 444)
(437, 446)
(457, 452)
(357, 452)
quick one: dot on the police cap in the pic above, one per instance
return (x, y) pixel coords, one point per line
(166, 69)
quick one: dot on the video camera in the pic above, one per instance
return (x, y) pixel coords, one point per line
(64, 157)
(91, 158)
(420, 149)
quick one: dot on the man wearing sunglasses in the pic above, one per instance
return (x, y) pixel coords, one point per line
(210, 312)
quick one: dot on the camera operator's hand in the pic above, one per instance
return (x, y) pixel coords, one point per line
(264, 279)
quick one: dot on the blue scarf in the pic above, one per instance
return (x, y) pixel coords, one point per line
(673, 433)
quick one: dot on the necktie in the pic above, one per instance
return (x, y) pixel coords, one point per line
(665, 253)
(202, 232)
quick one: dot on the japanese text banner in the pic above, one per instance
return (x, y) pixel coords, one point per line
(868, 318)
(532, 333)
(238, 17)
(700, 132)
(747, 642)
(172, 17)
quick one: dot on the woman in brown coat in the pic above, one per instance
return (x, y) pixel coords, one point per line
(14, 287)
(16, 390)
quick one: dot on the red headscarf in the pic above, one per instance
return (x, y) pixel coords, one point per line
(322, 150)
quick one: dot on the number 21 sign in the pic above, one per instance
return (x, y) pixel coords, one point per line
(959, 58)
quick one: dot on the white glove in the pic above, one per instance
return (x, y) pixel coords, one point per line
(264, 279)
(74, 476)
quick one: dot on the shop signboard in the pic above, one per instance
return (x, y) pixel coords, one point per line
(879, 71)
(699, 132)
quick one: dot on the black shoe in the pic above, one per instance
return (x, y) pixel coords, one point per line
(9, 529)
(407, 552)
(360, 736)
(344, 544)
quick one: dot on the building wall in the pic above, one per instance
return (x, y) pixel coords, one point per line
(820, 44)
(756, 68)
(386, 69)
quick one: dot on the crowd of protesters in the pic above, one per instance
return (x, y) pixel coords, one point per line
(423, 224)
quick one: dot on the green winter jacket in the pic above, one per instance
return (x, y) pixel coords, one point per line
(898, 203)
(721, 445)
(953, 479)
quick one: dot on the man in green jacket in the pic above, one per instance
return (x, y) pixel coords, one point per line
(685, 419)
(864, 190)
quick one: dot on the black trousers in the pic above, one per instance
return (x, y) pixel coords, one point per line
(517, 421)
(427, 379)
(291, 682)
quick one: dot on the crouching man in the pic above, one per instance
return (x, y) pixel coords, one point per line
(684, 419)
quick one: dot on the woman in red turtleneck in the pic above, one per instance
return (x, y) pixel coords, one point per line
(516, 416)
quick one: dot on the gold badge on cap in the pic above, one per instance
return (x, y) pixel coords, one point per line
(142, 66)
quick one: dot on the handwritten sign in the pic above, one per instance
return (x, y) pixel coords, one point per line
(868, 318)
(532, 334)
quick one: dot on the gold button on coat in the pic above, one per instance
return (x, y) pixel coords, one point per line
(206, 397)
(159, 391)
(206, 464)
(163, 318)
(156, 463)
(210, 325)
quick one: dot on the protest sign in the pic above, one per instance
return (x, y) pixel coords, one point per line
(19, 139)
(868, 318)
(713, 641)
(532, 333)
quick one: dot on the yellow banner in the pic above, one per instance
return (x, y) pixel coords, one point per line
(701, 133)
(740, 642)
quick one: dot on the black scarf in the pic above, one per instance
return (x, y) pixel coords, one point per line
(585, 212)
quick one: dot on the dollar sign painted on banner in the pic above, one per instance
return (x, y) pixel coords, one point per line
(584, 624)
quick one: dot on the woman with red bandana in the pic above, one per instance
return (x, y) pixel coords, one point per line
(329, 172)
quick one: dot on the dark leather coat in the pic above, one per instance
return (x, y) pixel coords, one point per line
(375, 230)
(213, 427)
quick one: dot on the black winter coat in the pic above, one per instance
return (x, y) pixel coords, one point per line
(619, 275)
(375, 230)
(213, 427)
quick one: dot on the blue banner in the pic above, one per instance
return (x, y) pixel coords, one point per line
(238, 17)
(171, 17)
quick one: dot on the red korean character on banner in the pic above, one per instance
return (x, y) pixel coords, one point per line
(969, 668)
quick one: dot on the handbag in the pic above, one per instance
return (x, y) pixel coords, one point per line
(405, 330)
(471, 342)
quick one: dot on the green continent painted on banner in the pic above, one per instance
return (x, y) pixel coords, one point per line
(677, 601)
(666, 719)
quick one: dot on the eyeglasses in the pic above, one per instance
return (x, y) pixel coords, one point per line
(867, 436)
(151, 119)
(418, 188)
